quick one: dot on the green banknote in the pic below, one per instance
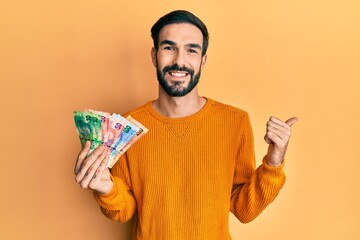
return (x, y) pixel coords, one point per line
(88, 126)
(113, 131)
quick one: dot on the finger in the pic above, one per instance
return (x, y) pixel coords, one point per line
(276, 124)
(291, 121)
(102, 166)
(278, 121)
(267, 139)
(94, 182)
(92, 169)
(281, 127)
(275, 139)
(282, 134)
(82, 155)
(83, 171)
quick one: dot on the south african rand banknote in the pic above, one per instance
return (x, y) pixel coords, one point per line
(142, 130)
(88, 126)
(114, 131)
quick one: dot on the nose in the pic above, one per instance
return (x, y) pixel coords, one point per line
(179, 58)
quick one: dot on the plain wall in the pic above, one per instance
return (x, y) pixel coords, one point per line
(281, 58)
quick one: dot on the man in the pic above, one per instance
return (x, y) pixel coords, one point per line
(197, 160)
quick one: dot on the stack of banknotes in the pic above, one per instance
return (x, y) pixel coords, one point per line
(112, 130)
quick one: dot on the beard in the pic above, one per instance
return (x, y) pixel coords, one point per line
(176, 90)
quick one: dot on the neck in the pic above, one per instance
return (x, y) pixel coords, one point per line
(176, 107)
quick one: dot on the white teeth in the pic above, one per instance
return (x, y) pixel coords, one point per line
(178, 74)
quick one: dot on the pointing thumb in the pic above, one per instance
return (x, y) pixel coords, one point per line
(291, 121)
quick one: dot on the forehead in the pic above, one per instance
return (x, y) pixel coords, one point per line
(181, 33)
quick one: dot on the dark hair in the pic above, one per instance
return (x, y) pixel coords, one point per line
(179, 16)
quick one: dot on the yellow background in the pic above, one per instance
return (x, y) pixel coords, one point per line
(282, 58)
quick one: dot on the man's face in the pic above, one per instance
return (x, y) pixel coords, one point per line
(178, 60)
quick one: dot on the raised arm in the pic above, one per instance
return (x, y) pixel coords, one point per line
(253, 190)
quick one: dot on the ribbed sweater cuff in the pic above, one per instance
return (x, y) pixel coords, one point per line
(115, 198)
(273, 174)
(272, 168)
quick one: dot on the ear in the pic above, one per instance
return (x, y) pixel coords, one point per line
(153, 56)
(203, 61)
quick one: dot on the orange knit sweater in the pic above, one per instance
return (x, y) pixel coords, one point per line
(185, 174)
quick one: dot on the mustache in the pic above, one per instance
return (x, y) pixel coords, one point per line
(176, 67)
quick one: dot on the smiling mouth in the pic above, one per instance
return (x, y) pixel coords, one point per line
(178, 74)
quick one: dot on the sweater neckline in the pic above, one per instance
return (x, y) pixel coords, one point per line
(181, 120)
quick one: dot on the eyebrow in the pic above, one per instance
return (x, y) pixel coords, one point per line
(168, 42)
(191, 45)
(194, 45)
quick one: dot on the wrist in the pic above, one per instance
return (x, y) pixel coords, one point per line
(107, 190)
(272, 163)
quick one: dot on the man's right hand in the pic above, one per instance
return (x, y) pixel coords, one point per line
(91, 171)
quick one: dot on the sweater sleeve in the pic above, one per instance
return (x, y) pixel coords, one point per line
(253, 189)
(119, 204)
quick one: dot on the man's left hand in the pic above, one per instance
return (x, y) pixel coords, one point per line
(278, 136)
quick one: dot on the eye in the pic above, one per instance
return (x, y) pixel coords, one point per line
(192, 50)
(170, 48)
